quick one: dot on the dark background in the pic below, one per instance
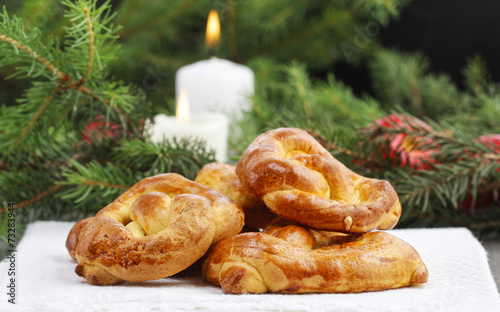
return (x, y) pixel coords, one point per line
(446, 31)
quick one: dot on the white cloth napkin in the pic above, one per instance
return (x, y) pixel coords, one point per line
(459, 280)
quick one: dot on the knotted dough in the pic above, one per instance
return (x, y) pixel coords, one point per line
(157, 228)
(222, 178)
(301, 181)
(293, 259)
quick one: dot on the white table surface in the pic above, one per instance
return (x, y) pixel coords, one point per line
(459, 280)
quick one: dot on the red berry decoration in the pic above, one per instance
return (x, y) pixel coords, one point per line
(409, 147)
(491, 140)
(99, 130)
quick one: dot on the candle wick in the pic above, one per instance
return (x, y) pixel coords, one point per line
(211, 52)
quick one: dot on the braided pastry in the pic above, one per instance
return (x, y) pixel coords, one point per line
(157, 228)
(291, 260)
(74, 236)
(222, 178)
(301, 181)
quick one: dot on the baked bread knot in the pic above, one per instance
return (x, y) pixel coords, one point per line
(300, 180)
(291, 260)
(74, 236)
(157, 228)
(222, 178)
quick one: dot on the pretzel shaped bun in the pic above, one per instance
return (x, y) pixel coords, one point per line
(291, 260)
(157, 228)
(222, 178)
(300, 180)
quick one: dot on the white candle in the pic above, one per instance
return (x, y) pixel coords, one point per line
(210, 127)
(216, 84)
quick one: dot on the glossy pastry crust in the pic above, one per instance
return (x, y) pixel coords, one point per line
(301, 181)
(157, 228)
(222, 178)
(291, 259)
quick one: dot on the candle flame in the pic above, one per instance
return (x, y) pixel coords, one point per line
(182, 113)
(213, 30)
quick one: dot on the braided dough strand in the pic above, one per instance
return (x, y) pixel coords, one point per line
(222, 178)
(157, 228)
(291, 260)
(301, 181)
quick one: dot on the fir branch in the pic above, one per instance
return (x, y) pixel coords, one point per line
(330, 18)
(95, 182)
(127, 10)
(180, 156)
(104, 184)
(30, 124)
(476, 74)
(296, 74)
(62, 76)
(491, 156)
(450, 183)
(75, 86)
(380, 10)
(427, 182)
(332, 146)
(85, 11)
(108, 102)
(36, 151)
(100, 184)
(285, 13)
(162, 18)
(91, 46)
(46, 193)
(404, 80)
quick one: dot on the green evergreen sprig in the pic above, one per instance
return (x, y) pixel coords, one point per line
(132, 161)
(65, 145)
(456, 186)
(186, 156)
(64, 91)
(94, 182)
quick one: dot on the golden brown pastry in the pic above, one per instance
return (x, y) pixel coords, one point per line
(74, 235)
(301, 181)
(159, 227)
(222, 178)
(291, 260)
